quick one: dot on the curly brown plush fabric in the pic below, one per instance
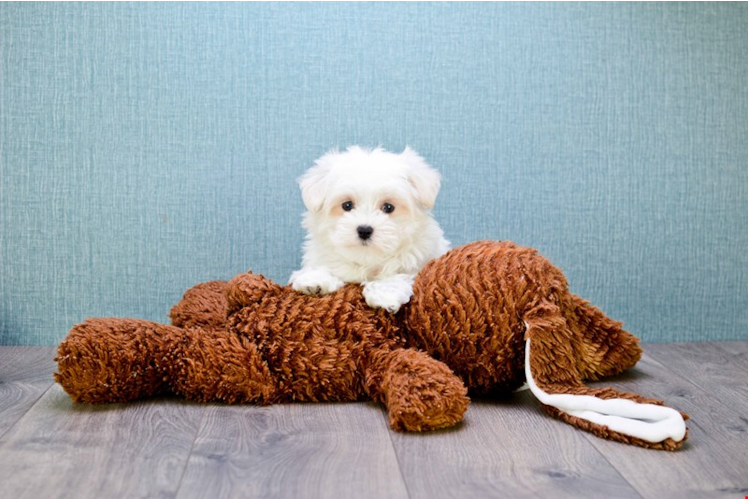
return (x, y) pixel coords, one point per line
(466, 328)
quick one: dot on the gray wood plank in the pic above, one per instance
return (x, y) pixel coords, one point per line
(712, 464)
(504, 448)
(333, 450)
(737, 347)
(25, 373)
(720, 368)
(63, 450)
(507, 449)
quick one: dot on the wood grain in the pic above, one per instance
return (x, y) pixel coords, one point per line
(50, 447)
(25, 373)
(297, 450)
(508, 449)
(712, 464)
(739, 348)
(61, 449)
(720, 368)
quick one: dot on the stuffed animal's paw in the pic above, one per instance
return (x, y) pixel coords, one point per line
(389, 293)
(422, 393)
(315, 281)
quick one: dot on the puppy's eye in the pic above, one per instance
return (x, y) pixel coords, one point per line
(388, 208)
(347, 206)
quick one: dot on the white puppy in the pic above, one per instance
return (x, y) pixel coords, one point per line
(368, 221)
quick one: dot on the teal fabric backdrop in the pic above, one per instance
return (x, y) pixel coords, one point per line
(148, 147)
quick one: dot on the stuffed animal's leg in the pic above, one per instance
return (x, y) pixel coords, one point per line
(608, 348)
(420, 392)
(550, 369)
(106, 360)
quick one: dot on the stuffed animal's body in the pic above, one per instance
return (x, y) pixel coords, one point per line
(484, 318)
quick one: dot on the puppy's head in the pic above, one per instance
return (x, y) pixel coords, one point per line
(368, 203)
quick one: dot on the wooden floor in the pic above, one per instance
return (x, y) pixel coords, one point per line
(50, 447)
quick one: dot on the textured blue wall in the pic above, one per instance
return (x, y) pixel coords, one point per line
(147, 147)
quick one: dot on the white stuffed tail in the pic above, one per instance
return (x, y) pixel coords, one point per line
(648, 422)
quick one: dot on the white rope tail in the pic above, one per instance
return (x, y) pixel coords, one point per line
(648, 422)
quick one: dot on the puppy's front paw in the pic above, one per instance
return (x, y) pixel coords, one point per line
(315, 282)
(389, 293)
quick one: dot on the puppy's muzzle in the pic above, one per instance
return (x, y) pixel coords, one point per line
(365, 232)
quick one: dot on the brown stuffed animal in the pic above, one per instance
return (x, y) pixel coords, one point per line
(485, 317)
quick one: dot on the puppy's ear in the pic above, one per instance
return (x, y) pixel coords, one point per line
(424, 179)
(314, 182)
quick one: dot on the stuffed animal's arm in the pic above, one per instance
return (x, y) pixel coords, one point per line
(248, 289)
(420, 392)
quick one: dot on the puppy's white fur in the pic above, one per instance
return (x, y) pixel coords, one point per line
(358, 188)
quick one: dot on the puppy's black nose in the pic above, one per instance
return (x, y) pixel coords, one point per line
(365, 232)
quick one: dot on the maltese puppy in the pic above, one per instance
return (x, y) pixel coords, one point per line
(368, 221)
